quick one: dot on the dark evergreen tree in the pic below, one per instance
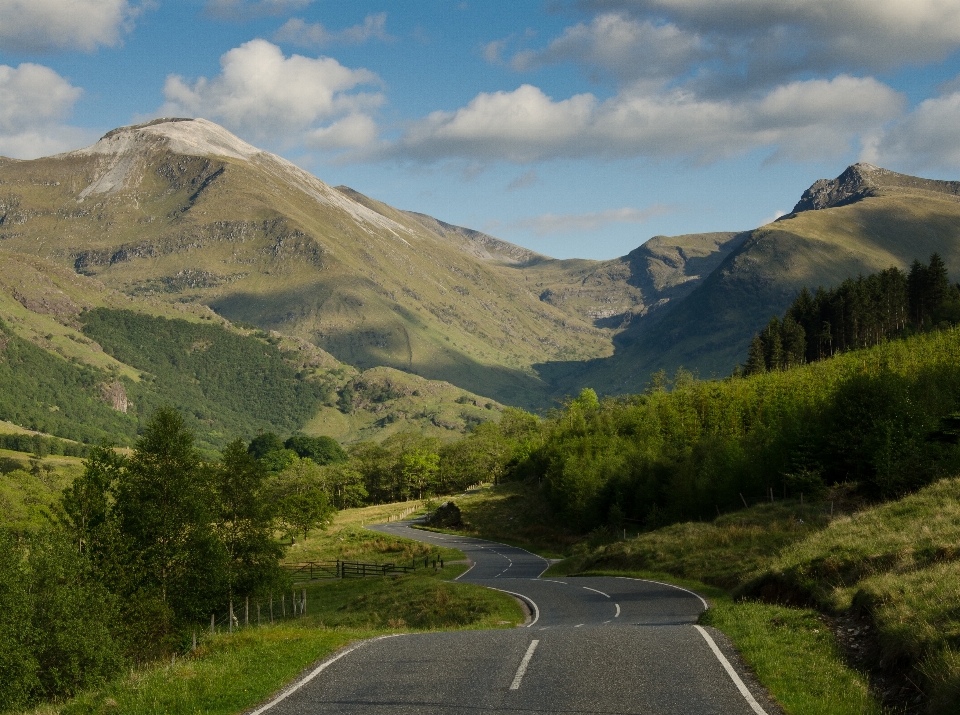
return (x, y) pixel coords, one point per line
(756, 358)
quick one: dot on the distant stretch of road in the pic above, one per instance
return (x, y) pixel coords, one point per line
(591, 645)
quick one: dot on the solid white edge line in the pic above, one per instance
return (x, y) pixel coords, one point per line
(618, 610)
(706, 605)
(596, 591)
(527, 599)
(747, 695)
(465, 572)
(315, 672)
(523, 665)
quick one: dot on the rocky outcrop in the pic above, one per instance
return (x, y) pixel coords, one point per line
(862, 180)
(446, 515)
(115, 395)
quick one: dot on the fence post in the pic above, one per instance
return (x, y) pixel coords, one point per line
(246, 612)
(304, 609)
(194, 647)
(293, 600)
(271, 606)
(258, 611)
(230, 618)
(283, 605)
(745, 505)
(213, 623)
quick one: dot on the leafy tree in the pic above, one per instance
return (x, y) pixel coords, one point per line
(245, 521)
(264, 443)
(18, 661)
(164, 504)
(322, 450)
(301, 498)
(86, 502)
(418, 469)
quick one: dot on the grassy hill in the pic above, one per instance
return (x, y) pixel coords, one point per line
(876, 219)
(85, 362)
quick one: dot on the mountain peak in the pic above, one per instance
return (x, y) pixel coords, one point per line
(862, 180)
(193, 137)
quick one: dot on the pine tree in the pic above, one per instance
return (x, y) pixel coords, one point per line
(773, 344)
(756, 357)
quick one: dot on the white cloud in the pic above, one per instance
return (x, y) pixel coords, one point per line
(247, 9)
(928, 137)
(627, 48)
(34, 102)
(297, 32)
(586, 222)
(860, 34)
(799, 120)
(263, 93)
(352, 132)
(54, 25)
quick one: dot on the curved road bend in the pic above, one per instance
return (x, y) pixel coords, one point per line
(595, 645)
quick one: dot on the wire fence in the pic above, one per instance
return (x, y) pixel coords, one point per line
(275, 608)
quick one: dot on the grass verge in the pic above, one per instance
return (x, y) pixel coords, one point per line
(230, 673)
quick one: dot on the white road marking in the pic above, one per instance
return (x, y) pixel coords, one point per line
(536, 611)
(596, 591)
(465, 572)
(730, 671)
(523, 666)
(605, 622)
(679, 588)
(314, 673)
(617, 614)
(578, 625)
(550, 580)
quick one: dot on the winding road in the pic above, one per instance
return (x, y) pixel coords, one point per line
(591, 645)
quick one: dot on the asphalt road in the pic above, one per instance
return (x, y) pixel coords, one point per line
(591, 645)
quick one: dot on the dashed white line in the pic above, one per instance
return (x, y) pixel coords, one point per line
(578, 625)
(617, 614)
(747, 695)
(596, 591)
(523, 666)
(550, 580)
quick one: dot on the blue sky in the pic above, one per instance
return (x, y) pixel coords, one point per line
(577, 128)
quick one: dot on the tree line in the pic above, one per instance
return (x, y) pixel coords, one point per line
(144, 549)
(859, 313)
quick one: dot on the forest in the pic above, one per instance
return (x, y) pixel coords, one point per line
(858, 313)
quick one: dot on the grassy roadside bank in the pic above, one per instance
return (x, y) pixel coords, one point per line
(838, 608)
(230, 673)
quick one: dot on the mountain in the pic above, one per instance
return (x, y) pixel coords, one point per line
(184, 212)
(864, 221)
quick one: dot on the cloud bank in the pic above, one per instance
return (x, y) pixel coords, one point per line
(53, 25)
(264, 94)
(34, 102)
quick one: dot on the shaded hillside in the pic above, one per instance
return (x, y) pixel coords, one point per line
(872, 219)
